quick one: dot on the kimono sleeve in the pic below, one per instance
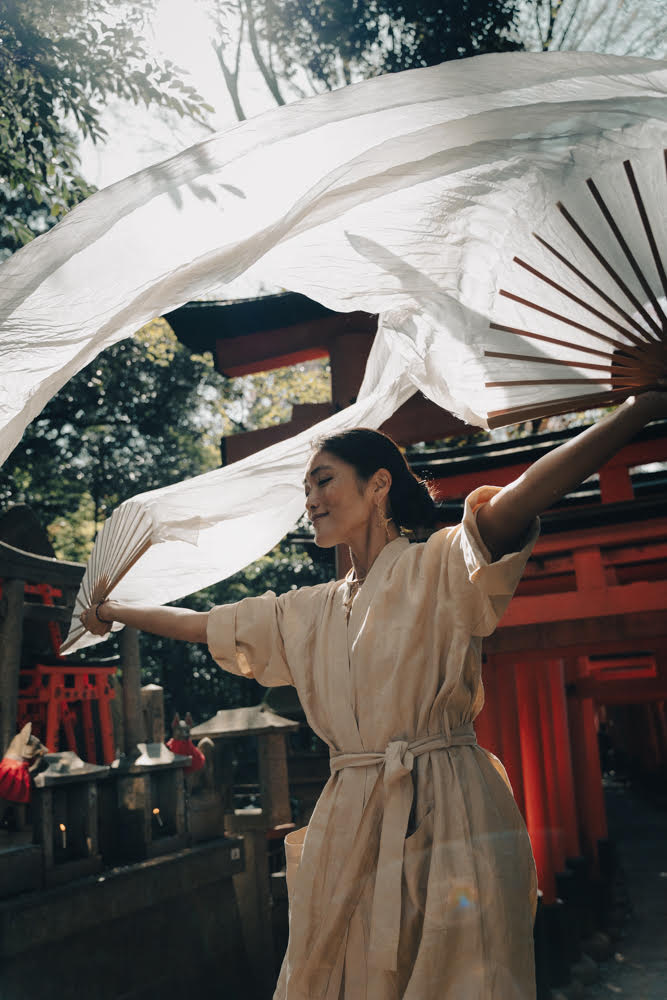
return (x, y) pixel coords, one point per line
(247, 639)
(494, 583)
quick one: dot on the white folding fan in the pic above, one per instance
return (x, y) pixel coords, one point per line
(121, 542)
(589, 326)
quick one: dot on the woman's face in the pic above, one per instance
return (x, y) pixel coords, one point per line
(338, 503)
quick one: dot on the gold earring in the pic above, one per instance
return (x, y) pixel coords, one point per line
(383, 521)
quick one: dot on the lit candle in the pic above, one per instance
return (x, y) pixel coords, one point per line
(156, 813)
(63, 836)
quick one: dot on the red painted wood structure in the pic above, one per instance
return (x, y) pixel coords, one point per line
(588, 627)
(68, 704)
(277, 330)
(60, 695)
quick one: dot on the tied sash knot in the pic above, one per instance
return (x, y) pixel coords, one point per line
(398, 761)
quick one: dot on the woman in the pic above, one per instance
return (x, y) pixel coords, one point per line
(416, 878)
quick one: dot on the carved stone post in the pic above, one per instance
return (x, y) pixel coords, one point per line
(132, 713)
(152, 701)
(273, 780)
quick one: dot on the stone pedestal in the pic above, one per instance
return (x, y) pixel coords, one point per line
(150, 802)
(252, 888)
(66, 817)
(257, 826)
(165, 927)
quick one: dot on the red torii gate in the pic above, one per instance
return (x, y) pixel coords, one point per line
(588, 625)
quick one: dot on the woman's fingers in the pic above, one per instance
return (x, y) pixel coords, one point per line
(92, 623)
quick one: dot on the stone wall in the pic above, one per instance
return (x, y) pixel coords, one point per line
(131, 933)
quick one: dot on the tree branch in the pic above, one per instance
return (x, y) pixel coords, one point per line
(231, 76)
(267, 73)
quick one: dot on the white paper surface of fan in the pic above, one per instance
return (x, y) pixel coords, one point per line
(566, 309)
(582, 321)
(122, 540)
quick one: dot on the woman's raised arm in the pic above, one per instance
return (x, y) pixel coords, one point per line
(172, 623)
(504, 520)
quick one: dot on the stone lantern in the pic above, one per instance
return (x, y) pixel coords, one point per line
(66, 819)
(258, 824)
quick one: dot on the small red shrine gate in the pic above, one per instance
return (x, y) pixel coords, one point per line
(54, 694)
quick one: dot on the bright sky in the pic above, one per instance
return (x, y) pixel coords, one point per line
(138, 137)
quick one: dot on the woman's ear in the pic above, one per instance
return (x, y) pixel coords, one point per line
(382, 483)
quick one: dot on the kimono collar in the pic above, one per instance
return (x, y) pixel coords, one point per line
(383, 563)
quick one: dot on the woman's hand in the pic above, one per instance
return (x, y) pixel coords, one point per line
(505, 519)
(94, 620)
(653, 402)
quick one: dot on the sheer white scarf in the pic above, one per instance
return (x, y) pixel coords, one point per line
(405, 195)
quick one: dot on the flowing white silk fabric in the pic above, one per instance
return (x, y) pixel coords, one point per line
(404, 195)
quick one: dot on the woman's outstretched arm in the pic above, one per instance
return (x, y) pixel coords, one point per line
(504, 520)
(172, 623)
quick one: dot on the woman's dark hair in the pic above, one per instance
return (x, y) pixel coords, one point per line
(410, 500)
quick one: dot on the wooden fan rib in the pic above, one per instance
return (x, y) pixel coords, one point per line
(640, 369)
(105, 542)
(615, 383)
(629, 294)
(532, 411)
(562, 362)
(133, 552)
(547, 381)
(125, 530)
(596, 288)
(85, 589)
(562, 343)
(619, 344)
(641, 208)
(645, 338)
(622, 242)
(111, 540)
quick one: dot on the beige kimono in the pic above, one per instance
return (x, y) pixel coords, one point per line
(416, 880)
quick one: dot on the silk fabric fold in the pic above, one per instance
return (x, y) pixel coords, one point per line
(405, 195)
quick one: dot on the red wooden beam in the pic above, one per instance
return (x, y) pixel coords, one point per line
(232, 370)
(607, 536)
(603, 602)
(613, 486)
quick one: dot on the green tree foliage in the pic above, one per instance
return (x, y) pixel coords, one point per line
(144, 414)
(59, 63)
(267, 398)
(630, 27)
(311, 45)
(141, 416)
(338, 41)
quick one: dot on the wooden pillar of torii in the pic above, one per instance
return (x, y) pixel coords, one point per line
(525, 723)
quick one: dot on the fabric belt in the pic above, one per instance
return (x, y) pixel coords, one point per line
(398, 760)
